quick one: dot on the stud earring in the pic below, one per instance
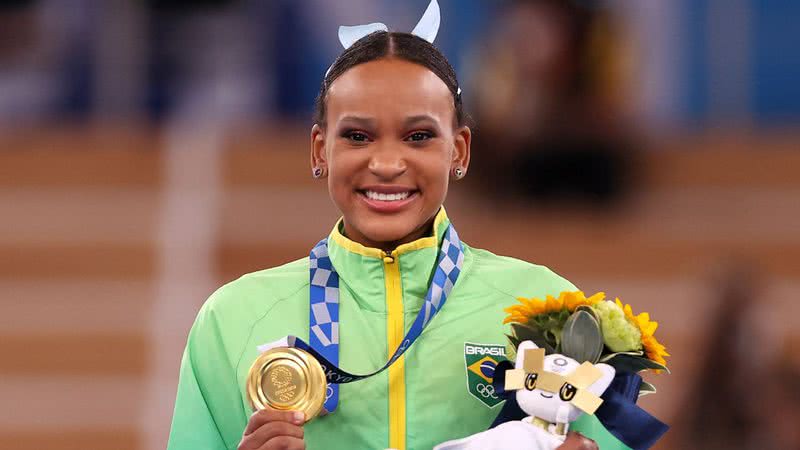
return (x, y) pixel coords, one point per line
(317, 172)
(458, 172)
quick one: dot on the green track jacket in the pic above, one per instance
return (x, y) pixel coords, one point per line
(434, 393)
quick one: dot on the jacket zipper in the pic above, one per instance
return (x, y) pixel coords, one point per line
(394, 332)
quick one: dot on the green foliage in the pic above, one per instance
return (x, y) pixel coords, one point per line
(550, 324)
(646, 389)
(607, 356)
(532, 332)
(511, 347)
(631, 362)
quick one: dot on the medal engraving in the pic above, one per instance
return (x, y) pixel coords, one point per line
(287, 379)
(282, 383)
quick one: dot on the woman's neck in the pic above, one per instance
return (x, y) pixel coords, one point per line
(422, 231)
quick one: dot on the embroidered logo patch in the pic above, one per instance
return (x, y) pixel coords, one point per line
(480, 361)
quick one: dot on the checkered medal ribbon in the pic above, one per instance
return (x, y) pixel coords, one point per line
(324, 314)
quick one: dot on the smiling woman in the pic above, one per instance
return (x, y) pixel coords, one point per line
(389, 137)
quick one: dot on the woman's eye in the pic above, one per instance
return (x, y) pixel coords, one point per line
(418, 136)
(357, 136)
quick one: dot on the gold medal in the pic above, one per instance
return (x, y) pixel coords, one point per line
(287, 379)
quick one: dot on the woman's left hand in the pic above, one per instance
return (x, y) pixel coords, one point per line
(577, 441)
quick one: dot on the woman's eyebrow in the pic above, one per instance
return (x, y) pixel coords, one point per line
(363, 122)
(413, 120)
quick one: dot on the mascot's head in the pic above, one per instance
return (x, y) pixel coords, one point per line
(557, 388)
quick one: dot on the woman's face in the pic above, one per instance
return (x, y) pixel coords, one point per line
(388, 149)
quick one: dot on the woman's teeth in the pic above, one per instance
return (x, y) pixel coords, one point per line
(372, 195)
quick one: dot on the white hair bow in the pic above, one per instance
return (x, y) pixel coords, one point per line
(427, 28)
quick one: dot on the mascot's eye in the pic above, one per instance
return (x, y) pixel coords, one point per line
(530, 381)
(567, 392)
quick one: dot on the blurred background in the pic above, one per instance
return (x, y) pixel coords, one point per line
(152, 150)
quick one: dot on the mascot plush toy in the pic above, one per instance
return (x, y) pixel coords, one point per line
(554, 390)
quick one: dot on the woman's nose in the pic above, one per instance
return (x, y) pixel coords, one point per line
(387, 163)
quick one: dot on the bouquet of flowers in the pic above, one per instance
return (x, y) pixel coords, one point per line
(589, 329)
(586, 353)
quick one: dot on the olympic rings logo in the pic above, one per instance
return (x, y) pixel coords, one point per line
(486, 390)
(329, 392)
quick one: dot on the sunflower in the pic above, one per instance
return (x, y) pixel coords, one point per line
(652, 348)
(530, 307)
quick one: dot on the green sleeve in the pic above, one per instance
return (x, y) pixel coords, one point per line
(590, 427)
(209, 414)
(193, 425)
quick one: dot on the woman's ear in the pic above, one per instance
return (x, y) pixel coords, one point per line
(319, 158)
(461, 150)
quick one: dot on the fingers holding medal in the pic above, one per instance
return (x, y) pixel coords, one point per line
(269, 429)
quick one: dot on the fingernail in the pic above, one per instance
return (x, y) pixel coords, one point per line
(299, 417)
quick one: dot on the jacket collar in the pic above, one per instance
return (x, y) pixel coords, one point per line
(362, 271)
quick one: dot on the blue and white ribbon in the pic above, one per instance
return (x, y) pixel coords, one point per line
(324, 311)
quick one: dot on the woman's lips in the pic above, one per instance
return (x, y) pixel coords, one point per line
(387, 206)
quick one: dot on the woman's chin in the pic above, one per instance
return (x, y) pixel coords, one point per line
(387, 231)
(387, 238)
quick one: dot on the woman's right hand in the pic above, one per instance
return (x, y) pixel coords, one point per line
(577, 441)
(274, 430)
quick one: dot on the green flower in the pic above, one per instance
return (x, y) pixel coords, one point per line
(619, 334)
